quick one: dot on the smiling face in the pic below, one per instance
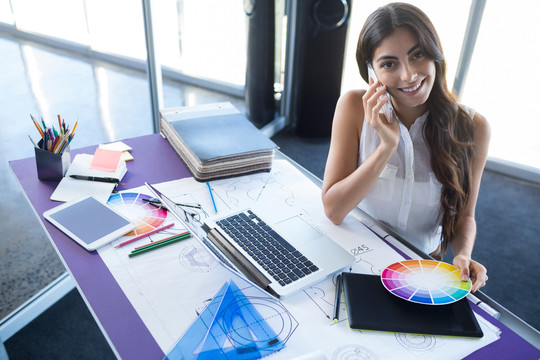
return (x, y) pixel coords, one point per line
(407, 72)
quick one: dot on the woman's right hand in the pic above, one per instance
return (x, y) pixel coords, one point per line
(373, 100)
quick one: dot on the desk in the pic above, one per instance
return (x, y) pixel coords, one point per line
(113, 310)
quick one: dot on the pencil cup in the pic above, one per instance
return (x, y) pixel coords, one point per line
(52, 166)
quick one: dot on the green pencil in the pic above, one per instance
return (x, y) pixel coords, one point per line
(159, 244)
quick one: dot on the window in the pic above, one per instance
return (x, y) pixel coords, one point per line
(502, 83)
(116, 27)
(57, 18)
(211, 39)
(6, 15)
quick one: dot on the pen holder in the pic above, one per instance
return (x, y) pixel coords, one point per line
(51, 166)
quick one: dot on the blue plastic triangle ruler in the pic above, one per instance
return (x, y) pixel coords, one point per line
(230, 327)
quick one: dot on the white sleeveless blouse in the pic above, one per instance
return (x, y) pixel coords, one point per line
(407, 194)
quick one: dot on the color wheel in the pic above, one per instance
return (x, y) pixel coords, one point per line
(425, 282)
(145, 216)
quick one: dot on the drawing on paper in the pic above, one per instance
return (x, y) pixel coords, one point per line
(196, 259)
(370, 268)
(236, 324)
(358, 252)
(324, 301)
(353, 352)
(415, 343)
(261, 187)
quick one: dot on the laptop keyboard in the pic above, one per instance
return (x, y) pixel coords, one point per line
(270, 250)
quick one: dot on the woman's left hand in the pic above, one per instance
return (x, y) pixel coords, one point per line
(471, 269)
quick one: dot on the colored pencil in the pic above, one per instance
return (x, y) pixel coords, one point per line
(162, 240)
(144, 235)
(60, 124)
(158, 245)
(33, 142)
(37, 126)
(73, 131)
(211, 196)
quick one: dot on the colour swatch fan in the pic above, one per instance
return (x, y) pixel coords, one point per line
(145, 216)
(425, 282)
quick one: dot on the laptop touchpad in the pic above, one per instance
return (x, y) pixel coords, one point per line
(297, 231)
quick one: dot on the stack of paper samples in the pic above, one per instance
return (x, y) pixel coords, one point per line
(216, 141)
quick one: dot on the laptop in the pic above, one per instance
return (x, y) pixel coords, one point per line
(282, 257)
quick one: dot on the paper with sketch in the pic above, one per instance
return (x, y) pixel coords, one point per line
(69, 188)
(170, 296)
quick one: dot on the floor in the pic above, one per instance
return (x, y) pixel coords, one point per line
(109, 102)
(113, 103)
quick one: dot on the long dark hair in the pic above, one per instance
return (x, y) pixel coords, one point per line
(448, 131)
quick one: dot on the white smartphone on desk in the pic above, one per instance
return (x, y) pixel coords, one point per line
(387, 109)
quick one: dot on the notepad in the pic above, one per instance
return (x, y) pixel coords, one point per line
(371, 307)
(105, 160)
(69, 189)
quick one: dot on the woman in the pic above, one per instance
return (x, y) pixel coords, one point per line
(420, 170)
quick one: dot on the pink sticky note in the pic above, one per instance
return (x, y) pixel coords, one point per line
(106, 160)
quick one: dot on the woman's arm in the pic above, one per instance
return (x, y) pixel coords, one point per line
(345, 183)
(463, 243)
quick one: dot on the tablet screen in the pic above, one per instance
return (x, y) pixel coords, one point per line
(89, 220)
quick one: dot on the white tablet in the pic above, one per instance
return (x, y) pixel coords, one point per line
(89, 222)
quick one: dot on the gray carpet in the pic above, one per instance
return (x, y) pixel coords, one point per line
(507, 243)
(66, 330)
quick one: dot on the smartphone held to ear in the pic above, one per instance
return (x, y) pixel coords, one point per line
(387, 109)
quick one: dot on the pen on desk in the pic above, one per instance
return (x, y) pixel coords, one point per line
(183, 235)
(211, 196)
(96, 178)
(144, 235)
(159, 244)
(338, 298)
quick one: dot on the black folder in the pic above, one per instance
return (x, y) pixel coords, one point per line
(371, 306)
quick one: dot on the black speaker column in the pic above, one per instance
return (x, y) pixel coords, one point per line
(260, 101)
(320, 34)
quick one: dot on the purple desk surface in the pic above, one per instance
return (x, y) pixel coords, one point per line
(155, 162)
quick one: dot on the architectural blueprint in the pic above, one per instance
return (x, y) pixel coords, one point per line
(170, 287)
